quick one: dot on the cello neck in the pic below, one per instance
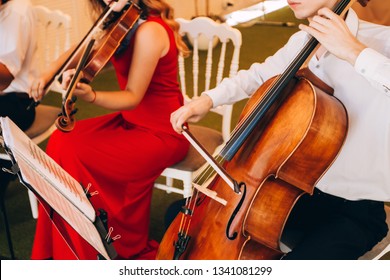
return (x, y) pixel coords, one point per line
(340, 9)
(275, 95)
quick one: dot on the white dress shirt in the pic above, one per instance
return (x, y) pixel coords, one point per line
(362, 168)
(18, 43)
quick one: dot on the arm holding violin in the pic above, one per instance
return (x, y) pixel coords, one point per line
(38, 87)
(151, 43)
(5, 77)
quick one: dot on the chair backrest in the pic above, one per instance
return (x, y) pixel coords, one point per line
(54, 29)
(53, 39)
(204, 35)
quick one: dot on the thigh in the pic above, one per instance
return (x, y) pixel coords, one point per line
(339, 238)
(334, 228)
(14, 106)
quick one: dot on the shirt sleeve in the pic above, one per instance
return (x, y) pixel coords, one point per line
(247, 82)
(375, 67)
(13, 46)
(239, 87)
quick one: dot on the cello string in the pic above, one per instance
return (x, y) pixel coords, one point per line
(191, 202)
(278, 84)
(270, 92)
(187, 218)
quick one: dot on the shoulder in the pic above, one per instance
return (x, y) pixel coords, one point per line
(151, 30)
(152, 27)
(18, 14)
(296, 42)
(19, 7)
(375, 36)
(18, 11)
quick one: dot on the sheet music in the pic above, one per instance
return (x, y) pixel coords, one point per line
(60, 190)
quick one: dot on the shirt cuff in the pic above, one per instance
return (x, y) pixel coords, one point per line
(215, 97)
(368, 61)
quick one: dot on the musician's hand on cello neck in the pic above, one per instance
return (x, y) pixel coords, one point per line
(334, 35)
(326, 26)
(191, 112)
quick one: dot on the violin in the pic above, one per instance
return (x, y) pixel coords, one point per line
(111, 28)
(289, 133)
(66, 121)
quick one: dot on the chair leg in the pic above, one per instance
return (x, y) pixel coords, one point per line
(7, 229)
(169, 181)
(33, 204)
(187, 189)
(5, 179)
(384, 252)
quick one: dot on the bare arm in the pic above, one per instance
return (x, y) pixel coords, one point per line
(151, 43)
(37, 89)
(5, 77)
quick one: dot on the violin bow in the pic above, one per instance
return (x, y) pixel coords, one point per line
(65, 122)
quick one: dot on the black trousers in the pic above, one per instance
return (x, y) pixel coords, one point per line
(326, 227)
(333, 228)
(14, 105)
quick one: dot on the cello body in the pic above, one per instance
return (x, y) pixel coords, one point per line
(280, 161)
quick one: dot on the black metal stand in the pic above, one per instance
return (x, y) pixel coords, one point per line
(33, 168)
(7, 230)
(6, 178)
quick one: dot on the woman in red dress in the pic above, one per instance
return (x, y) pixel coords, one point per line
(121, 154)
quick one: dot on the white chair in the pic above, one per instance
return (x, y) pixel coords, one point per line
(54, 28)
(53, 40)
(212, 139)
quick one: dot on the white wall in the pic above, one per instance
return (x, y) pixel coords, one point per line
(77, 9)
(191, 8)
(81, 21)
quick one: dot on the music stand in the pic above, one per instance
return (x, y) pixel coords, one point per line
(55, 188)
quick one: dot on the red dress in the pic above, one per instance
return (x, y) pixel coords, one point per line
(121, 155)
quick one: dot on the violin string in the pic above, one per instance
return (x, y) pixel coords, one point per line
(91, 33)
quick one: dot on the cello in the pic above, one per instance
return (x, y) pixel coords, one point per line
(289, 133)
